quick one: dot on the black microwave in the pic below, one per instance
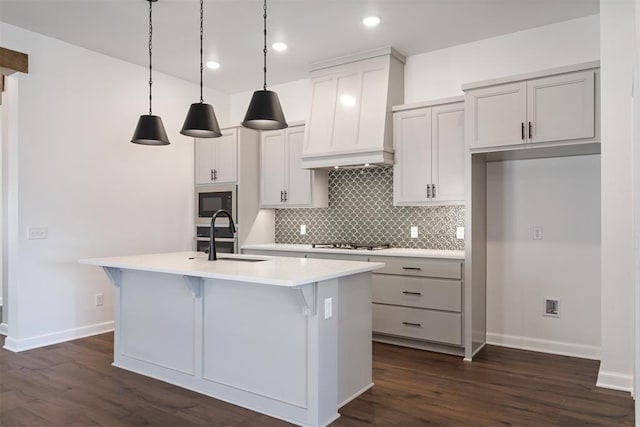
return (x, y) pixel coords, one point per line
(211, 198)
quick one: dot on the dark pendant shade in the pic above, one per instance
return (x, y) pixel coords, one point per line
(150, 131)
(264, 112)
(201, 122)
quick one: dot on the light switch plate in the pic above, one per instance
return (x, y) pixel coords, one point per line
(460, 233)
(537, 232)
(328, 308)
(36, 233)
(414, 232)
(303, 229)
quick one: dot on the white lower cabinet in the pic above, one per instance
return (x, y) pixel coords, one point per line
(414, 323)
(417, 302)
(283, 181)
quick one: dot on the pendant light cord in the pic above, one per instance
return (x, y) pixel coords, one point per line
(201, 32)
(150, 67)
(264, 86)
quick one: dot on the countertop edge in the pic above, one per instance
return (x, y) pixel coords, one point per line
(391, 252)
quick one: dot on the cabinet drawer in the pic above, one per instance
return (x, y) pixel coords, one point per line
(439, 294)
(418, 323)
(446, 269)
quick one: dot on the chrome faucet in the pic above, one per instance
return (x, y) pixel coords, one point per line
(212, 240)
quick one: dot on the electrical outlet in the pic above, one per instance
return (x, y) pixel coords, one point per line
(303, 229)
(551, 307)
(36, 233)
(99, 300)
(460, 233)
(328, 308)
(414, 232)
(537, 232)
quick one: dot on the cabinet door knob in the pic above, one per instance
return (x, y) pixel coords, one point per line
(415, 325)
(522, 131)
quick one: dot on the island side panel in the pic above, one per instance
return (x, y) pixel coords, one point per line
(255, 339)
(156, 323)
(354, 336)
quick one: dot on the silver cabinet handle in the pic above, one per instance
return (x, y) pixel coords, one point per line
(411, 293)
(433, 191)
(412, 268)
(428, 191)
(415, 325)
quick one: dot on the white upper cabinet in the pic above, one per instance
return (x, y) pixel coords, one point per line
(217, 158)
(429, 144)
(561, 107)
(283, 182)
(447, 152)
(350, 115)
(498, 115)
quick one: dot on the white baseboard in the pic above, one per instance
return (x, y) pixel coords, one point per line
(545, 346)
(4, 329)
(615, 381)
(23, 344)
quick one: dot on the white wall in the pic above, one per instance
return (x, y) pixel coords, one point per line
(79, 176)
(295, 99)
(561, 195)
(439, 74)
(617, 22)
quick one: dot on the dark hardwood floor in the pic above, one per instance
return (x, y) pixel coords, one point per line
(74, 384)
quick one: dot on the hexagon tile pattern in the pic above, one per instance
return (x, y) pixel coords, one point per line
(361, 210)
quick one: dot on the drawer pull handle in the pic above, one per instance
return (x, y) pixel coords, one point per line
(415, 325)
(412, 268)
(411, 293)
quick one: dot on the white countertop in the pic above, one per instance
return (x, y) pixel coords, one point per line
(277, 271)
(399, 252)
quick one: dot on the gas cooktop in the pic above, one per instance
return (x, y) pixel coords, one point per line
(349, 245)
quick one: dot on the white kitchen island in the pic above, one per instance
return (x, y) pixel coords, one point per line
(287, 337)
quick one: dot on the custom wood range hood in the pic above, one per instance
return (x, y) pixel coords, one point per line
(350, 120)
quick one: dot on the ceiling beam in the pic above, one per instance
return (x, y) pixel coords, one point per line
(12, 61)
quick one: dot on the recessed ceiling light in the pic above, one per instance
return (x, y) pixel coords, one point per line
(279, 46)
(371, 21)
(213, 65)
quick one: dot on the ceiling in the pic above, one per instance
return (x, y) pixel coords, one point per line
(315, 30)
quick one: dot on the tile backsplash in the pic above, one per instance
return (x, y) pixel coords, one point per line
(361, 210)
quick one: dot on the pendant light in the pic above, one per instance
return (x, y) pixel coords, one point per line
(150, 130)
(201, 121)
(264, 112)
